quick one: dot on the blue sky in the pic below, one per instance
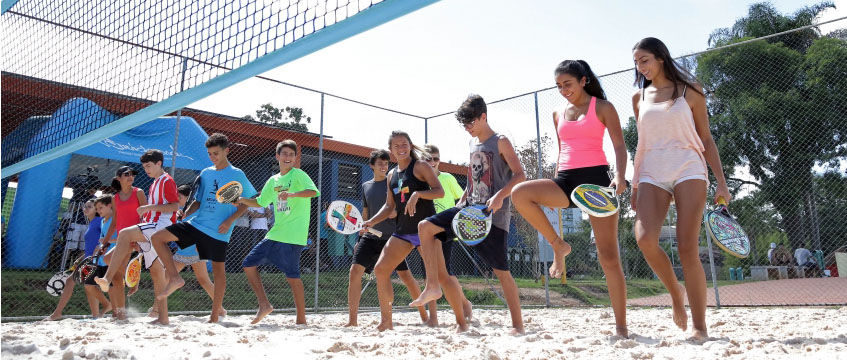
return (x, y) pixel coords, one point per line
(427, 62)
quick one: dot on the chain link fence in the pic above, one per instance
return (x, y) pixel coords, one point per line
(777, 113)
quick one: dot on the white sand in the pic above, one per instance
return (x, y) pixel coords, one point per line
(737, 333)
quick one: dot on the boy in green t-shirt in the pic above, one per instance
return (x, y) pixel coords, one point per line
(290, 191)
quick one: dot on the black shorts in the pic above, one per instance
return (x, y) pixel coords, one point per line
(367, 251)
(208, 248)
(571, 178)
(492, 249)
(99, 272)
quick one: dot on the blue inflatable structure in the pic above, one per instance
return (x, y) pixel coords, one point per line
(39, 193)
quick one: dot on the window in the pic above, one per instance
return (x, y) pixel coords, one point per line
(349, 181)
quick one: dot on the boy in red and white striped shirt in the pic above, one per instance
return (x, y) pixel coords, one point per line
(159, 213)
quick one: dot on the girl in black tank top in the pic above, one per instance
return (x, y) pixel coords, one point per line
(403, 184)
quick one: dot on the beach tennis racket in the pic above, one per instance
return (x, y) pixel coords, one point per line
(133, 271)
(86, 269)
(472, 224)
(56, 284)
(345, 218)
(194, 186)
(725, 231)
(229, 193)
(595, 200)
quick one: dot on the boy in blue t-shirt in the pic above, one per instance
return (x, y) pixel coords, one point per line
(211, 228)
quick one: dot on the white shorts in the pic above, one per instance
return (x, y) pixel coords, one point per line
(669, 185)
(150, 255)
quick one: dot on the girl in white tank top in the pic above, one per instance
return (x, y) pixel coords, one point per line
(674, 148)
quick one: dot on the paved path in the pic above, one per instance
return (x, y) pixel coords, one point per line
(816, 291)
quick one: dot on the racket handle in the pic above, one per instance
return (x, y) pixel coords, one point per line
(375, 232)
(722, 201)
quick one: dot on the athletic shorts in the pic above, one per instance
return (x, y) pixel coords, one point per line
(492, 249)
(99, 272)
(208, 248)
(569, 179)
(284, 256)
(150, 255)
(669, 185)
(367, 251)
(413, 239)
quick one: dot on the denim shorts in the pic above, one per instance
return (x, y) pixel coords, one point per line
(284, 256)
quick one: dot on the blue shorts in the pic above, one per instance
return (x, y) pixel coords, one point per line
(285, 257)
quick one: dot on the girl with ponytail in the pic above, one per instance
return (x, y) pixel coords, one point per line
(580, 125)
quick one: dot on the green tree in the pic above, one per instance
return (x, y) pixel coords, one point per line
(289, 118)
(778, 106)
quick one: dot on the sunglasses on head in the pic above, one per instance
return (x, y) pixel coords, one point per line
(128, 173)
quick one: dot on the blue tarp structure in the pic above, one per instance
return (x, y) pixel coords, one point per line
(39, 193)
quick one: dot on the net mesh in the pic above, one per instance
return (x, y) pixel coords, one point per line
(146, 51)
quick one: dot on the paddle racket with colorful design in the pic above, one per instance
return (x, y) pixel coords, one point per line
(345, 218)
(725, 231)
(229, 193)
(472, 224)
(595, 200)
(133, 271)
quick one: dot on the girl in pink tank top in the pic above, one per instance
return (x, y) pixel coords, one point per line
(674, 147)
(580, 126)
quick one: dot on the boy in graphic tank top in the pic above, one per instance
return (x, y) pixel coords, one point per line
(494, 170)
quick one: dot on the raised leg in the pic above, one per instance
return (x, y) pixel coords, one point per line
(528, 198)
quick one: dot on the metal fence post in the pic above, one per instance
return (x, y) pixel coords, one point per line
(540, 172)
(178, 116)
(426, 131)
(320, 187)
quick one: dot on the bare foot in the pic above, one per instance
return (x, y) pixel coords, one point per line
(560, 250)
(351, 323)
(460, 328)
(102, 283)
(119, 314)
(385, 326)
(132, 290)
(622, 331)
(300, 321)
(517, 331)
(173, 285)
(431, 322)
(680, 317)
(106, 309)
(426, 296)
(222, 312)
(160, 322)
(699, 335)
(467, 308)
(264, 310)
(213, 319)
(152, 312)
(52, 317)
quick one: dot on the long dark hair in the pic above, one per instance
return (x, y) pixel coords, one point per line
(580, 69)
(673, 71)
(415, 152)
